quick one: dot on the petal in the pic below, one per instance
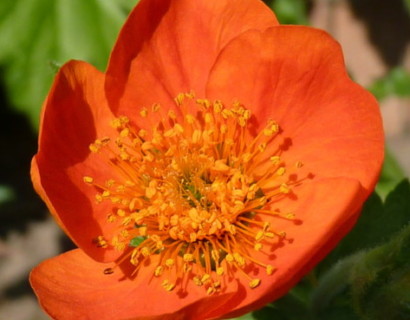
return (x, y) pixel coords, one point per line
(73, 286)
(296, 76)
(74, 115)
(168, 47)
(327, 209)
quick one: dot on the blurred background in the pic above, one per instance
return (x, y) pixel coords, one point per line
(37, 36)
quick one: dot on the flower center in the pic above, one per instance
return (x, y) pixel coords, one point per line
(191, 191)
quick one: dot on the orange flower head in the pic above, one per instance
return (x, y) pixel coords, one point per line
(217, 160)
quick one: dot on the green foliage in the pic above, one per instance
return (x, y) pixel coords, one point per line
(38, 35)
(377, 223)
(407, 3)
(247, 316)
(6, 194)
(290, 307)
(380, 281)
(290, 11)
(370, 269)
(390, 176)
(396, 83)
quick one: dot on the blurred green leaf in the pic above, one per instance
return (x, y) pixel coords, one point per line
(127, 5)
(339, 312)
(380, 281)
(290, 307)
(37, 35)
(376, 224)
(390, 176)
(290, 11)
(370, 269)
(407, 3)
(396, 82)
(268, 313)
(6, 194)
(360, 273)
(330, 298)
(247, 316)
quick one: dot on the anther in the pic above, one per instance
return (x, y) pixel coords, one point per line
(281, 171)
(254, 283)
(275, 159)
(284, 188)
(170, 263)
(88, 180)
(205, 278)
(144, 112)
(262, 147)
(188, 257)
(269, 269)
(210, 291)
(220, 271)
(158, 271)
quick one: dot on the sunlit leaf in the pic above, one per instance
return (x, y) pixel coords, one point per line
(290, 11)
(37, 35)
(247, 316)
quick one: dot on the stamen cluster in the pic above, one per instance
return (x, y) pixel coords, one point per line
(188, 191)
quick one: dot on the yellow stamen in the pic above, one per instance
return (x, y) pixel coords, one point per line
(188, 190)
(254, 283)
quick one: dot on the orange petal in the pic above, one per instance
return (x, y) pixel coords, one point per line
(296, 76)
(327, 208)
(74, 115)
(167, 47)
(72, 286)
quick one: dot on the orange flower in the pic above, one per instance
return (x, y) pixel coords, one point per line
(218, 159)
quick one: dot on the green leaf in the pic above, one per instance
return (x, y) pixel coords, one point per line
(376, 224)
(126, 5)
(269, 312)
(390, 176)
(380, 282)
(247, 316)
(360, 273)
(36, 34)
(290, 11)
(369, 285)
(396, 82)
(407, 5)
(363, 266)
(6, 194)
(330, 299)
(369, 272)
(339, 312)
(332, 287)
